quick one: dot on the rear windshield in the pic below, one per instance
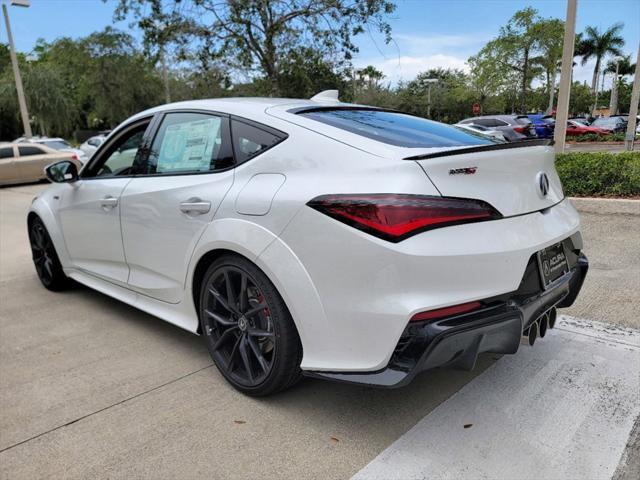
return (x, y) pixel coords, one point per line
(397, 128)
(57, 144)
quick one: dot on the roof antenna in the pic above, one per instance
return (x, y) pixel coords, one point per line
(326, 96)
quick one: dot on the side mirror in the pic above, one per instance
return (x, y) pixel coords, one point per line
(62, 172)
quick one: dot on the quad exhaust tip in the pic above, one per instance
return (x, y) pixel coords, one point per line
(533, 333)
(553, 314)
(544, 323)
(540, 326)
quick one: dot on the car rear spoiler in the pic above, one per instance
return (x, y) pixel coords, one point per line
(538, 142)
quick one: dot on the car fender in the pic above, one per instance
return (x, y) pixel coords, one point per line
(41, 206)
(276, 260)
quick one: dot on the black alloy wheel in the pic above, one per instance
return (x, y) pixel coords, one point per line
(45, 258)
(248, 330)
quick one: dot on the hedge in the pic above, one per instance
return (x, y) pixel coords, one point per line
(600, 174)
(593, 137)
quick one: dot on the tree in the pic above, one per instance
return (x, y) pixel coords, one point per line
(620, 68)
(514, 48)
(549, 34)
(256, 35)
(596, 45)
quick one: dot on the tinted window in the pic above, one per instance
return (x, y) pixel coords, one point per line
(249, 141)
(190, 143)
(29, 150)
(6, 152)
(485, 122)
(396, 128)
(523, 120)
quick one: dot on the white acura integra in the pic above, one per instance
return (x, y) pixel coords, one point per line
(316, 237)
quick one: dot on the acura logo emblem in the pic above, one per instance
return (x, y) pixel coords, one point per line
(543, 184)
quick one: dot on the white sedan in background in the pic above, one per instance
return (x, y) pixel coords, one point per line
(90, 146)
(315, 237)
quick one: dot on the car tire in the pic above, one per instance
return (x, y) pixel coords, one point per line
(45, 258)
(247, 328)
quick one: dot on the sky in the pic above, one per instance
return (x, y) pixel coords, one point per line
(426, 33)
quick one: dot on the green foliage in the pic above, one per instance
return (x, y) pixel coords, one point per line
(600, 174)
(592, 137)
(258, 35)
(596, 45)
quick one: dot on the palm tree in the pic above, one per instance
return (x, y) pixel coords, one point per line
(619, 67)
(598, 45)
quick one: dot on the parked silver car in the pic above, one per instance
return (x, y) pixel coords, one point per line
(513, 127)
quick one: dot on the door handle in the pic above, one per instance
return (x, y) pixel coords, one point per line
(195, 206)
(108, 202)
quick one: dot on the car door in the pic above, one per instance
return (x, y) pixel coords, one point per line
(89, 209)
(172, 199)
(8, 169)
(31, 161)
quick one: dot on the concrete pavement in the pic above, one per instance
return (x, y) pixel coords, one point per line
(91, 388)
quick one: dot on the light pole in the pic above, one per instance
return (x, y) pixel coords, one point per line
(16, 70)
(562, 112)
(430, 81)
(633, 108)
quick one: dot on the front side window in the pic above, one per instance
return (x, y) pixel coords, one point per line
(120, 157)
(26, 151)
(395, 128)
(190, 143)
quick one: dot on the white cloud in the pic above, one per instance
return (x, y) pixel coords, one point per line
(407, 67)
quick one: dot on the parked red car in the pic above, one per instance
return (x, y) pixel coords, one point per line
(576, 128)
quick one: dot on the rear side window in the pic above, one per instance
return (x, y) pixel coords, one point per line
(6, 152)
(523, 120)
(396, 128)
(249, 141)
(25, 151)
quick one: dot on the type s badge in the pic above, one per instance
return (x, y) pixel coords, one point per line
(463, 171)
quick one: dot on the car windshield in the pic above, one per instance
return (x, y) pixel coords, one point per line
(397, 128)
(56, 144)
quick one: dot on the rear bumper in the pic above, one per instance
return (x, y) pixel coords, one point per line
(456, 342)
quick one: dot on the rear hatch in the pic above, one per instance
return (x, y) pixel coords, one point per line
(509, 176)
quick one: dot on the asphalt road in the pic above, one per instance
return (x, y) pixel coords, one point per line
(92, 388)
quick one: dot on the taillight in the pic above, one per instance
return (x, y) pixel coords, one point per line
(74, 156)
(446, 312)
(394, 217)
(519, 129)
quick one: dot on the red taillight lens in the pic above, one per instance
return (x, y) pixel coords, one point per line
(446, 312)
(394, 217)
(519, 129)
(74, 156)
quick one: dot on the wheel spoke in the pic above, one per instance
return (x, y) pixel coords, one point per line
(231, 296)
(234, 354)
(245, 357)
(255, 348)
(222, 300)
(251, 312)
(225, 322)
(47, 266)
(224, 337)
(256, 332)
(243, 293)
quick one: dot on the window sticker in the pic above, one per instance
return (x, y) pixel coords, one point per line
(189, 146)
